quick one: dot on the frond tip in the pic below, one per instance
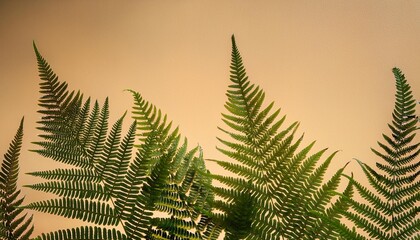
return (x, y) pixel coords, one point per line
(13, 223)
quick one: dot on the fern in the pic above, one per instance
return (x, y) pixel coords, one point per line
(278, 186)
(148, 184)
(14, 225)
(105, 185)
(392, 211)
(183, 193)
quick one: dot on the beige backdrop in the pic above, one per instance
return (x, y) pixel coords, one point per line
(326, 63)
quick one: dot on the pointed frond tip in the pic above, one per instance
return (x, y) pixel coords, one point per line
(34, 46)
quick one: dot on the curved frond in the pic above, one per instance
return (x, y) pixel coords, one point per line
(106, 184)
(86, 210)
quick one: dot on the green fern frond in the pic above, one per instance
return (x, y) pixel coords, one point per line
(72, 189)
(150, 197)
(117, 170)
(77, 135)
(150, 121)
(14, 225)
(286, 184)
(105, 184)
(57, 103)
(183, 194)
(393, 203)
(71, 175)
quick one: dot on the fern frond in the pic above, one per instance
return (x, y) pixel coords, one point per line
(57, 103)
(77, 135)
(286, 184)
(183, 194)
(13, 223)
(151, 121)
(117, 170)
(393, 209)
(83, 209)
(72, 189)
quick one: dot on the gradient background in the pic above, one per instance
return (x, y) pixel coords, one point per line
(326, 63)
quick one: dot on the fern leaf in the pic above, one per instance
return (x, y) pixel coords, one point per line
(150, 121)
(72, 175)
(105, 184)
(86, 210)
(78, 136)
(13, 224)
(71, 189)
(394, 196)
(286, 184)
(179, 190)
(117, 170)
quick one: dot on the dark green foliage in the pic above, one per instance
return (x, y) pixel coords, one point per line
(14, 225)
(105, 185)
(392, 211)
(278, 185)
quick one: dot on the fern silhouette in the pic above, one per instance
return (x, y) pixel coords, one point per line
(13, 224)
(278, 187)
(120, 194)
(392, 212)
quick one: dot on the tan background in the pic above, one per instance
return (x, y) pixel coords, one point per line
(326, 63)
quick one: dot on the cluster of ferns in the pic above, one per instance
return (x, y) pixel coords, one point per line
(148, 183)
